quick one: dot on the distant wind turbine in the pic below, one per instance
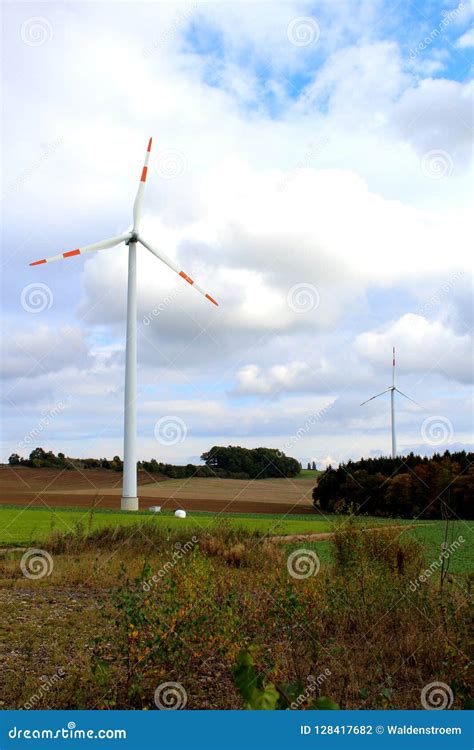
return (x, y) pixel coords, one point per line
(392, 390)
(129, 491)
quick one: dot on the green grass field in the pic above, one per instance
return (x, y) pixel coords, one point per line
(308, 474)
(431, 535)
(19, 526)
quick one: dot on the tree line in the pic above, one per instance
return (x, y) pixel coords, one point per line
(250, 463)
(231, 462)
(409, 487)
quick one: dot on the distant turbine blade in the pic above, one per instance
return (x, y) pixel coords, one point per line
(408, 397)
(372, 397)
(86, 249)
(137, 206)
(175, 268)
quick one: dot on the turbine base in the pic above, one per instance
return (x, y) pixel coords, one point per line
(129, 503)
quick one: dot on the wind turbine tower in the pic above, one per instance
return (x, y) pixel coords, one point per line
(131, 238)
(392, 389)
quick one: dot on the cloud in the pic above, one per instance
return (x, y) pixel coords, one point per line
(31, 353)
(277, 260)
(466, 40)
(422, 346)
(252, 380)
(437, 115)
(302, 202)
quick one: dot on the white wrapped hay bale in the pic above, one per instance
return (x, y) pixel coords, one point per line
(155, 509)
(180, 513)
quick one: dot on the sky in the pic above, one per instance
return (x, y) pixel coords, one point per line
(311, 169)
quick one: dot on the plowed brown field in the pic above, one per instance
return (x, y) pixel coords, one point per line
(102, 488)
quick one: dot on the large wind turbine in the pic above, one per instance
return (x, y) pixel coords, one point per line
(129, 491)
(392, 390)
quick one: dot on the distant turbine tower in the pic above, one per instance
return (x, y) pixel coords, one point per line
(129, 491)
(392, 390)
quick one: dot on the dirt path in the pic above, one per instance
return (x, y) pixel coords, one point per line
(323, 536)
(285, 538)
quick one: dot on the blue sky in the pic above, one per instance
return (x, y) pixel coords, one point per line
(311, 168)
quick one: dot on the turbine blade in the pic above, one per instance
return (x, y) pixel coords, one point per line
(408, 397)
(376, 396)
(175, 268)
(137, 206)
(86, 249)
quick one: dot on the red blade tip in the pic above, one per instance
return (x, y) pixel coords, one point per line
(208, 296)
(37, 262)
(149, 144)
